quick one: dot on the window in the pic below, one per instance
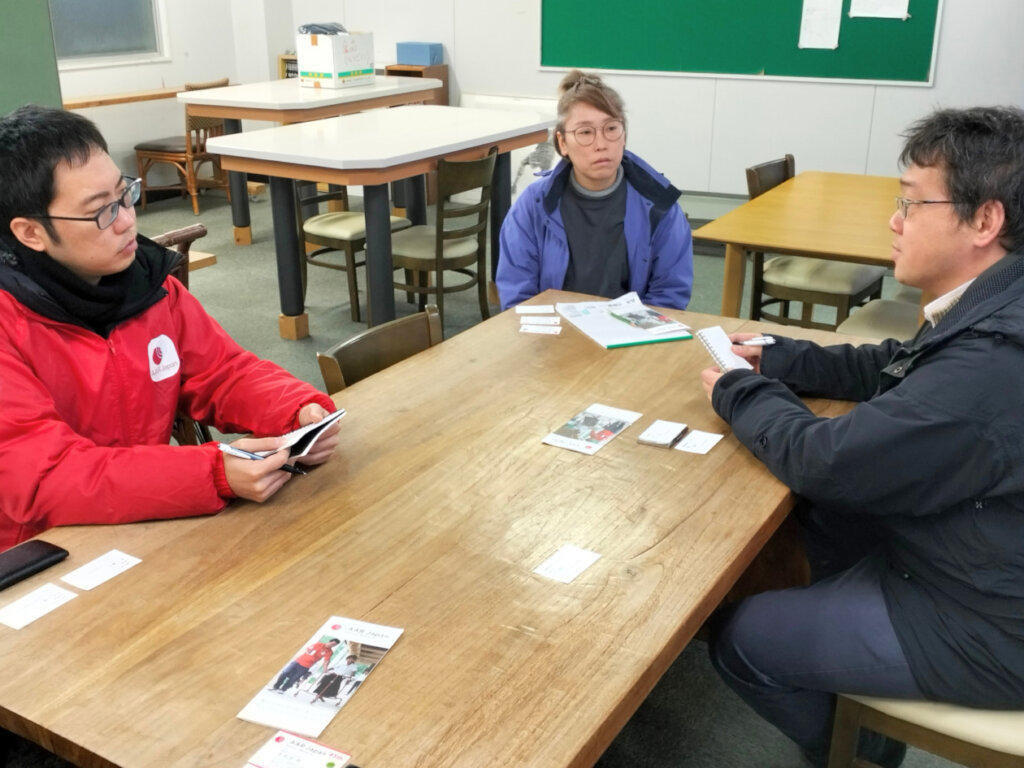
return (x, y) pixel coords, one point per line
(118, 29)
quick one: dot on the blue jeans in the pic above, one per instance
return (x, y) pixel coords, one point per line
(786, 653)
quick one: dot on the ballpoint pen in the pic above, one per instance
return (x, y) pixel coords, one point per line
(241, 454)
(757, 341)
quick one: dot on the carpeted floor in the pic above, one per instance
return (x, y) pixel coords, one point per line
(690, 720)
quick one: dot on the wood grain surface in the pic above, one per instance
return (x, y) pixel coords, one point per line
(841, 216)
(432, 516)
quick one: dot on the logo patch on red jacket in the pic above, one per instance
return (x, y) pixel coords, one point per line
(163, 358)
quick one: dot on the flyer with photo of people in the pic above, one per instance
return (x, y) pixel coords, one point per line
(321, 676)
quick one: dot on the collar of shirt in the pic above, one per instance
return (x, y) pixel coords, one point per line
(936, 309)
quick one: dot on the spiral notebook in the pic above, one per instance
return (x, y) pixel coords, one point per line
(717, 343)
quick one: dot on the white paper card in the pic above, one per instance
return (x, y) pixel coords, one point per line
(880, 9)
(552, 330)
(819, 24)
(535, 309)
(698, 442)
(540, 320)
(101, 569)
(286, 750)
(567, 563)
(662, 432)
(36, 603)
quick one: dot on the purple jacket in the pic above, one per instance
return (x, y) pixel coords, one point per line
(535, 251)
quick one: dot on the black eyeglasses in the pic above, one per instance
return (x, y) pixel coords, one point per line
(903, 204)
(107, 215)
(585, 135)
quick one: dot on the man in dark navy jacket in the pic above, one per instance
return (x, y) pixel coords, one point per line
(913, 502)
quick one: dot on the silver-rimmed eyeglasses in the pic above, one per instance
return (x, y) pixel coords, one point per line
(903, 204)
(585, 135)
(107, 215)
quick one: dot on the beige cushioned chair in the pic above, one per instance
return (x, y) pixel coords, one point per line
(895, 318)
(799, 278)
(457, 242)
(976, 738)
(338, 229)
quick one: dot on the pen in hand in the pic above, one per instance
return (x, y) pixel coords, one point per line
(231, 450)
(757, 341)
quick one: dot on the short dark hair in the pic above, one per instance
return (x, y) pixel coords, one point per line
(981, 152)
(34, 140)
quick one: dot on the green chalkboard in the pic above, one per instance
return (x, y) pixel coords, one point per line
(733, 37)
(27, 60)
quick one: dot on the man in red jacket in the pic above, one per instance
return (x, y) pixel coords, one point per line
(100, 347)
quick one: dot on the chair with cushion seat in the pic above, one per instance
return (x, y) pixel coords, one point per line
(898, 317)
(186, 431)
(883, 319)
(799, 278)
(976, 738)
(186, 153)
(338, 229)
(379, 347)
(451, 244)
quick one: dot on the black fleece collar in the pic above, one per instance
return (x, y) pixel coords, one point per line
(50, 289)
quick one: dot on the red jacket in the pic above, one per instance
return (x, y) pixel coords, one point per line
(85, 422)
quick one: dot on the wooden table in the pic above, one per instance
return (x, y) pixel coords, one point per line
(841, 216)
(372, 149)
(432, 517)
(129, 97)
(287, 101)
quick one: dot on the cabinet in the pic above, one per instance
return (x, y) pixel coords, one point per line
(436, 71)
(287, 66)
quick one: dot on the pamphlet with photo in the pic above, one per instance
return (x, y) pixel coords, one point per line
(590, 429)
(307, 692)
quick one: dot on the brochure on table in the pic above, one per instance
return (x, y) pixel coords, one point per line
(622, 322)
(317, 681)
(590, 429)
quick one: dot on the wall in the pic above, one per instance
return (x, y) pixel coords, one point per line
(236, 38)
(701, 131)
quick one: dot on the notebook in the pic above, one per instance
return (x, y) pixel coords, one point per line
(717, 343)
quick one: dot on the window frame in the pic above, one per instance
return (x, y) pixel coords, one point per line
(100, 61)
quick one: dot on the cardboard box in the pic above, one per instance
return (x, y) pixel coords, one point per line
(422, 54)
(335, 61)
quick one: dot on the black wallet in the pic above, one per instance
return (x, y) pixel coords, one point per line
(29, 557)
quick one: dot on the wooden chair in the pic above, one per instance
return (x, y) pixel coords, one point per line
(336, 230)
(186, 431)
(798, 278)
(379, 347)
(186, 153)
(895, 318)
(450, 245)
(976, 738)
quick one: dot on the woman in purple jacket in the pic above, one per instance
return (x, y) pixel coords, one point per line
(603, 222)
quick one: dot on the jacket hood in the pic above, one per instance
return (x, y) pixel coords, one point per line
(647, 181)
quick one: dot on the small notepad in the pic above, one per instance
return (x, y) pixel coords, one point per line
(717, 343)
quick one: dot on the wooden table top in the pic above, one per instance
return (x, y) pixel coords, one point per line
(816, 213)
(432, 516)
(288, 101)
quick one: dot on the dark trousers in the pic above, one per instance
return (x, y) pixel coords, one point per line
(786, 653)
(290, 675)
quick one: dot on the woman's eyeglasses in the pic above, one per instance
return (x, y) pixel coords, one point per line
(585, 135)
